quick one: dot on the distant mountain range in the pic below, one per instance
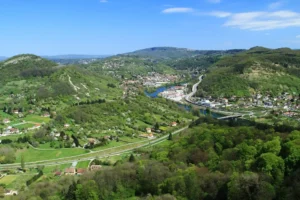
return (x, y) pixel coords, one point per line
(178, 53)
(75, 56)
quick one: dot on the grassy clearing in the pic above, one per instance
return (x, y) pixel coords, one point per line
(52, 169)
(8, 179)
(15, 181)
(31, 154)
(24, 126)
(83, 164)
(110, 145)
(37, 119)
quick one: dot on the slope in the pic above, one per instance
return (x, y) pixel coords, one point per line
(128, 66)
(259, 70)
(160, 53)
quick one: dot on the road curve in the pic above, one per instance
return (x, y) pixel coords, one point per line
(194, 90)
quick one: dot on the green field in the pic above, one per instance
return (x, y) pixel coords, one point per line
(31, 154)
(8, 179)
(37, 119)
(24, 126)
(83, 164)
(15, 181)
(52, 169)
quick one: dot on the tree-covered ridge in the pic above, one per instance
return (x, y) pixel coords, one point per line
(167, 53)
(256, 70)
(129, 66)
(208, 161)
(26, 65)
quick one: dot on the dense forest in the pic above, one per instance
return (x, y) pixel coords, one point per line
(210, 160)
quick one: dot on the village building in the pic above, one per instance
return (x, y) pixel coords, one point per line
(10, 193)
(6, 121)
(70, 171)
(148, 130)
(95, 167)
(80, 171)
(174, 124)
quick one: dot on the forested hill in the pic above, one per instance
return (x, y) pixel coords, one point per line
(25, 65)
(161, 53)
(257, 70)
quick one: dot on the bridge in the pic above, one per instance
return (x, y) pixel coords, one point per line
(230, 117)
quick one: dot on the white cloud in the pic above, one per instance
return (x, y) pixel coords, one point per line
(220, 14)
(298, 36)
(103, 1)
(214, 1)
(177, 10)
(258, 21)
(275, 5)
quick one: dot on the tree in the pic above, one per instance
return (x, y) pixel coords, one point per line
(156, 126)
(131, 158)
(170, 136)
(272, 165)
(7, 155)
(22, 162)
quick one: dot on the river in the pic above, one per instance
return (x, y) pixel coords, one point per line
(186, 107)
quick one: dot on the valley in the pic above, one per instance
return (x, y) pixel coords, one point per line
(58, 121)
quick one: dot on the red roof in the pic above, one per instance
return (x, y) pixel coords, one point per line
(80, 171)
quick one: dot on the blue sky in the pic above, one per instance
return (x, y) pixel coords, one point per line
(53, 27)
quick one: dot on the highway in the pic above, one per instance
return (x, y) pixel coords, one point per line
(194, 90)
(92, 155)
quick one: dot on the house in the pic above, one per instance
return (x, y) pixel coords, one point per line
(6, 121)
(58, 173)
(46, 115)
(10, 193)
(148, 130)
(174, 124)
(31, 111)
(80, 171)
(14, 130)
(95, 167)
(149, 136)
(70, 171)
(67, 125)
(15, 111)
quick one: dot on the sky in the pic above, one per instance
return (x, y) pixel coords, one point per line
(105, 27)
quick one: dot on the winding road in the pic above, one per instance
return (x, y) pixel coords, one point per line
(194, 90)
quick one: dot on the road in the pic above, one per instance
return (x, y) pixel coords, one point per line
(194, 90)
(92, 155)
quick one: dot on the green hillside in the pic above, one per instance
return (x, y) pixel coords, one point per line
(31, 82)
(256, 70)
(25, 65)
(129, 66)
(177, 53)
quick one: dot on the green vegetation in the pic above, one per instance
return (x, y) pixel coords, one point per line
(170, 53)
(31, 154)
(210, 160)
(257, 70)
(129, 67)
